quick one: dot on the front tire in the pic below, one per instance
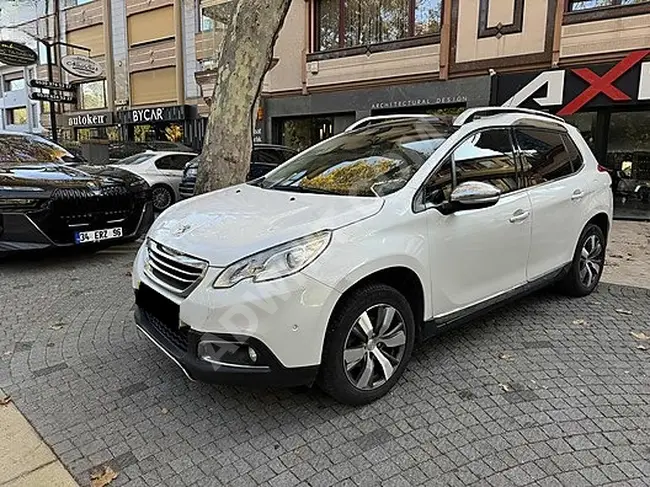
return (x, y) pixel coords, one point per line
(368, 345)
(162, 198)
(588, 263)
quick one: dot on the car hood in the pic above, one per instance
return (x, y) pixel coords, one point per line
(53, 175)
(235, 222)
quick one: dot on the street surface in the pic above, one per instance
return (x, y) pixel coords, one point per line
(548, 391)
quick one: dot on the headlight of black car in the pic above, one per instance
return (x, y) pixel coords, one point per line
(17, 198)
(18, 203)
(138, 183)
(191, 172)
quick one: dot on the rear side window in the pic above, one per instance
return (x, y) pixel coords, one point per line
(287, 154)
(166, 162)
(574, 153)
(545, 156)
(267, 156)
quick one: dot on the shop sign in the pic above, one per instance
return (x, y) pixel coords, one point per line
(415, 102)
(153, 115)
(81, 66)
(90, 119)
(567, 91)
(16, 54)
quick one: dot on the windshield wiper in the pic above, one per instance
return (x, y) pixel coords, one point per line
(302, 189)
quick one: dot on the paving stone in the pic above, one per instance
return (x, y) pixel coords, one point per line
(101, 394)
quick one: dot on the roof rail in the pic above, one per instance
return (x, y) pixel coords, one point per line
(471, 114)
(380, 118)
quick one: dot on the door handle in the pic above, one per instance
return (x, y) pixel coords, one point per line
(519, 216)
(577, 195)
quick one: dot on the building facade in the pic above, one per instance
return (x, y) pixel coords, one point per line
(337, 61)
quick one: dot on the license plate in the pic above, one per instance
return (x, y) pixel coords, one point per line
(97, 235)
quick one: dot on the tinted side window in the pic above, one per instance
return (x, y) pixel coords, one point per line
(287, 154)
(179, 161)
(165, 163)
(545, 157)
(574, 152)
(438, 188)
(267, 156)
(489, 157)
(486, 156)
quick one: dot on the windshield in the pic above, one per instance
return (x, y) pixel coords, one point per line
(133, 160)
(30, 149)
(375, 160)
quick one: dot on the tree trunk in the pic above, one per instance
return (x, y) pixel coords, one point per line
(246, 55)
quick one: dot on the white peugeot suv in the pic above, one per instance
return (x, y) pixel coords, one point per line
(329, 269)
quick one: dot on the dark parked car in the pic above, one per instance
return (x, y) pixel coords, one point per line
(264, 158)
(48, 199)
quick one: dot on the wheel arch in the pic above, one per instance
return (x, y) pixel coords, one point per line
(404, 279)
(601, 220)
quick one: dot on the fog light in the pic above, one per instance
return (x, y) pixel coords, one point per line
(252, 354)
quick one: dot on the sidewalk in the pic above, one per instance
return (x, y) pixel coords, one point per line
(25, 460)
(628, 255)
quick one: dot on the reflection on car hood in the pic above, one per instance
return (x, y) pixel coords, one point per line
(232, 223)
(53, 175)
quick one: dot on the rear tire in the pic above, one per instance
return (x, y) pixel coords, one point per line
(162, 197)
(588, 263)
(368, 345)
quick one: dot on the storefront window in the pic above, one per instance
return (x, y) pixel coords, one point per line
(576, 6)
(628, 155)
(92, 95)
(301, 133)
(363, 22)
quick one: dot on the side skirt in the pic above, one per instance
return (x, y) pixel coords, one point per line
(441, 324)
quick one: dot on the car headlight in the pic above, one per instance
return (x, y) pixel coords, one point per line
(18, 203)
(21, 189)
(138, 183)
(276, 262)
(192, 172)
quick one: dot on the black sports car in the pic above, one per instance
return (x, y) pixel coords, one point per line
(47, 199)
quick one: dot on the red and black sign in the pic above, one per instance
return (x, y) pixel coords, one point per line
(567, 91)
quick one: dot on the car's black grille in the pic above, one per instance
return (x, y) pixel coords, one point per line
(177, 336)
(162, 315)
(81, 205)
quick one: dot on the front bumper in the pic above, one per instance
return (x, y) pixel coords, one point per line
(285, 321)
(24, 231)
(196, 369)
(186, 187)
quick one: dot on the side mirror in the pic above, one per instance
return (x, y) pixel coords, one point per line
(473, 195)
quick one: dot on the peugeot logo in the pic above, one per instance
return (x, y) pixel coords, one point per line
(181, 230)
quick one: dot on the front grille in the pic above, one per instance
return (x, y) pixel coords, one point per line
(162, 316)
(186, 188)
(83, 206)
(178, 336)
(173, 270)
